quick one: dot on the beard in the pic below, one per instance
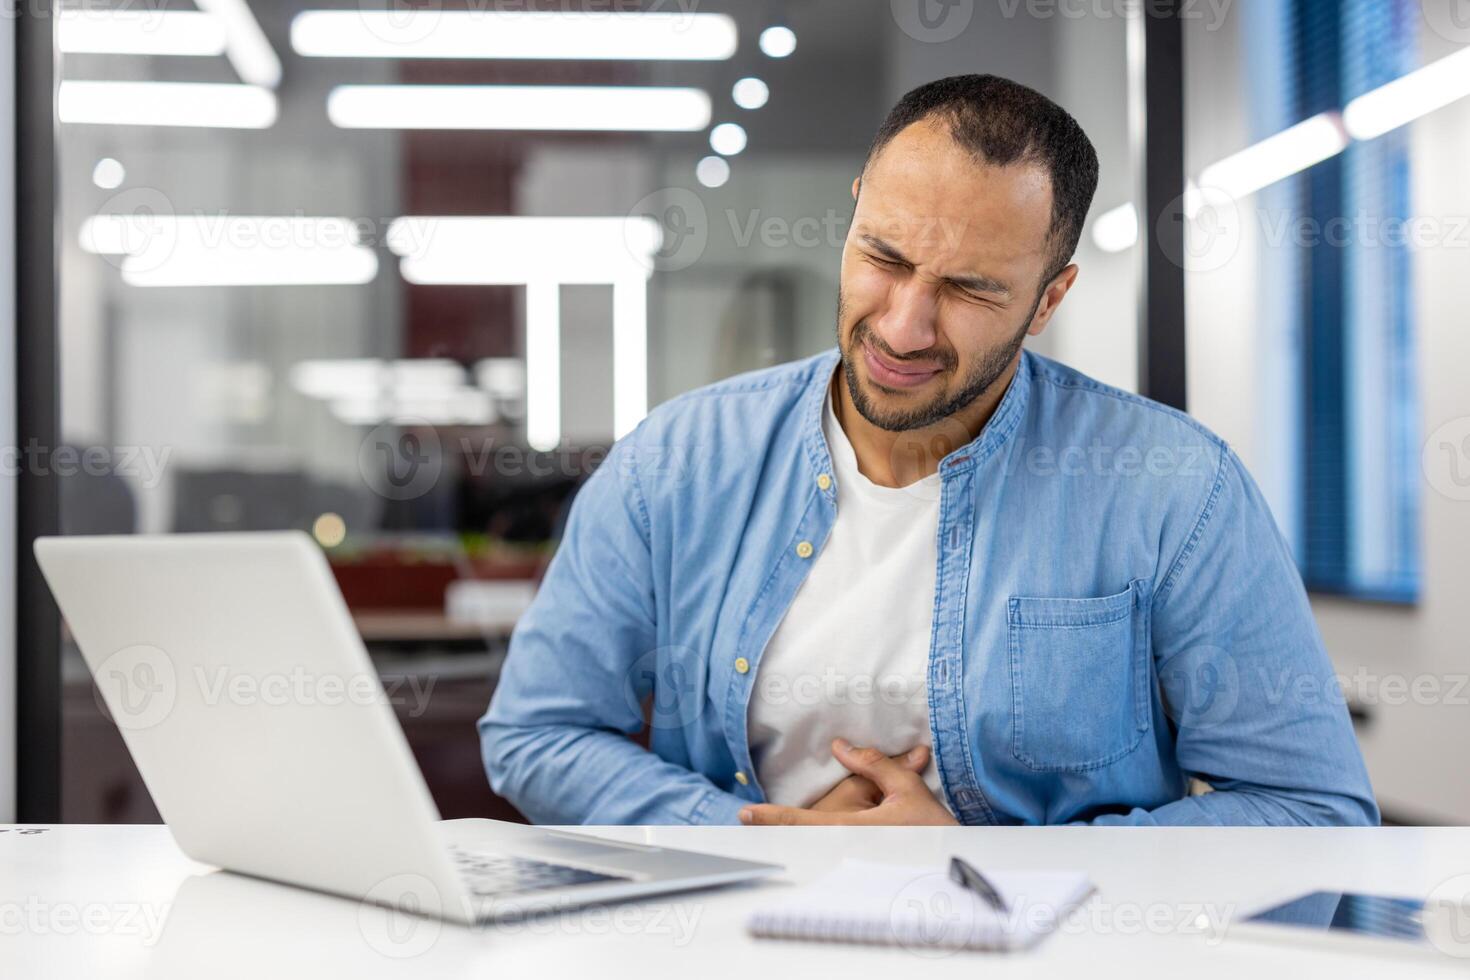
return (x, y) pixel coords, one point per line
(981, 377)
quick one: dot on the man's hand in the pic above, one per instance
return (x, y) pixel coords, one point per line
(860, 793)
(904, 799)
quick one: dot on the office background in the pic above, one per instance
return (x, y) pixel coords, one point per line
(249, 334)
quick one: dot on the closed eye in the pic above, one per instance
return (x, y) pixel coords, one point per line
(976, 297)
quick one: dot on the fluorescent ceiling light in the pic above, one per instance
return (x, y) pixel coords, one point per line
(519, 107)
(369, 391)
(429, 32)
(466, 406)
(750, 93)
(245, 43)
(1407, 98)
(1309, 142)
(231, 250)
(370, 377)
(512, 251)
(137, 232)
(503, 377)
(108, 174)
(166, 104)
(1116, 230)
(630, 355)
(778, 42)
(712, 171)
(91, 30)
(543, 364)
(227, 266)
(727, 139)
(543, 254)
(1276, 157)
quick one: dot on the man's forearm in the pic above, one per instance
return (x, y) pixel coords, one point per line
(575, 775)
(1252, 807)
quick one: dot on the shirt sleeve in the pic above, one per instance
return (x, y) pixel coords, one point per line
(555, 740)
(1246, 681)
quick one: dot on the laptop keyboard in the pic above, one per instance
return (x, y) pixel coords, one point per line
(503, 874)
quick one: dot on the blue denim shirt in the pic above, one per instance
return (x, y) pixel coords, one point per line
(1115, 612)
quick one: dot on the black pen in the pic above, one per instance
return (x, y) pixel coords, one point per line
(966, 875)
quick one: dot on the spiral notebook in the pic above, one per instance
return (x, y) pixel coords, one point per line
(920, 907)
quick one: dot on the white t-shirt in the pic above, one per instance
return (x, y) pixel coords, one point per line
(850, 658)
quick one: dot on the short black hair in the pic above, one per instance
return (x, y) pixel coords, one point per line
(1003, 122)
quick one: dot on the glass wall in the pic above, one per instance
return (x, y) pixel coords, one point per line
(1326, 339)
(1302, 326)
(398, 277)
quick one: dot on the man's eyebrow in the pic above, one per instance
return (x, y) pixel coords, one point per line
(980, 284)
(975, 284)
(879, 245)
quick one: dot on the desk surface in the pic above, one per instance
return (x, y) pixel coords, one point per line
(86, 901)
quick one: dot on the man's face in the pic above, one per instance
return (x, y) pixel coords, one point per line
(941, 277)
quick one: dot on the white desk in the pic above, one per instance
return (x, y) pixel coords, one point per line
(101, 902)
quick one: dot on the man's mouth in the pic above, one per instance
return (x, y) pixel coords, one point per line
(897, 374)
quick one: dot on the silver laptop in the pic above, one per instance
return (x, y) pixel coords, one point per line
(243, 691)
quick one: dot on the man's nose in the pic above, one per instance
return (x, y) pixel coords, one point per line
(908, 325)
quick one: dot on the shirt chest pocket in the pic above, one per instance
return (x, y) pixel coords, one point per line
(1079, 676)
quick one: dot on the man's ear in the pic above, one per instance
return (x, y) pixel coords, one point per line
(856, 183)
(1051, 298)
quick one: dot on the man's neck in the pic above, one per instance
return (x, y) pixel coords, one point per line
(897, 459)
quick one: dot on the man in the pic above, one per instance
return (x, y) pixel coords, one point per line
(928, 577)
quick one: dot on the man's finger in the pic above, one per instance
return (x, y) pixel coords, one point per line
(915, 759)
(890, 776)
(770, 815)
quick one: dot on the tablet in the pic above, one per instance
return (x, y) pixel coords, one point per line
(1352, 921)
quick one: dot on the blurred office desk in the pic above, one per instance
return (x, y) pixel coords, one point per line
(104, 902)
(427, 626)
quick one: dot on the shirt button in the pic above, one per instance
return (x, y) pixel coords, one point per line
(824, 482)
(804, 550)
(742, 779)
(742, 666)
